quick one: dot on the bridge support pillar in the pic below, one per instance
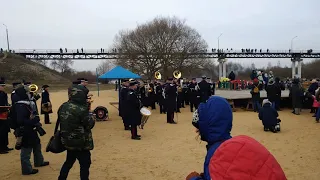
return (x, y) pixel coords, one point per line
(222, 68)
(299, 67)
(294, 67)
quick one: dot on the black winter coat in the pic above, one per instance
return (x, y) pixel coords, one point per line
(296, 94)
(132, 111)
(45, 98)
(171, 97)
(30, 135)
(268, 115)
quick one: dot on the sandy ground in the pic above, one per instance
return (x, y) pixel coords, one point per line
(170, 152)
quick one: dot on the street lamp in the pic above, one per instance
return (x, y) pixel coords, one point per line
(7, 37)
(292, 42)
(219, 41)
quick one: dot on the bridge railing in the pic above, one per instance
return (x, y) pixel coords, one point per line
(104, 51)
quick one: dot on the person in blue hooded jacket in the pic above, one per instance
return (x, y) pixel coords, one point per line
(213, 120)
(230, 157)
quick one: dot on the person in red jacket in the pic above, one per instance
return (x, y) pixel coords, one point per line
(230, 158)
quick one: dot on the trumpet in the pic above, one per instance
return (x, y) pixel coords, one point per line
(157, 75)
(177, 74)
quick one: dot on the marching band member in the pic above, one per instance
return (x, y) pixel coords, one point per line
(205, 90)
(152, 96)
(133, 110)
(74, 83)
(4, 124)
(84, 82)
(34, 96)
(185, 91)
(160, 98)
(171, 100)
(142, 92)
(45, 101)
(239, 155)
(123, 103)
(194, 95)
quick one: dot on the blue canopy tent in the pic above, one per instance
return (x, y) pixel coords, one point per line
(119, 73)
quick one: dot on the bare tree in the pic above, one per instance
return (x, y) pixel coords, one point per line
(62, 65)
(105, 66)
(161, 45)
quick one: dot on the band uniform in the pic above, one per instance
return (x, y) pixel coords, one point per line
(194, 95)
(46, 107)
(123, 103)
(171, 100)
(132, 111)
(160, 97)
(4, 124)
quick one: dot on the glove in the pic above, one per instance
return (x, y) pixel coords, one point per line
(192, 175)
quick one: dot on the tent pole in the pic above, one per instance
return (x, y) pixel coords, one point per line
(119, 89)
(97, 81)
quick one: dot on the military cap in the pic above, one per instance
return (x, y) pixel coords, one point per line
(170, 79)
(82, 79)
(204, 77)
(194, 78)
(2, 83)
(27, 83)
(15, 84)
(76, 82)
(124, 80)
(132, 83)
(45, 86)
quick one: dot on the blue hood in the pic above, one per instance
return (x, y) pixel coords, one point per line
(215, 120)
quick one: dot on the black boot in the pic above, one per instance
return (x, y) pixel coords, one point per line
(34, 171)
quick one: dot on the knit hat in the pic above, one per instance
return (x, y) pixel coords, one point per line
(266, 101)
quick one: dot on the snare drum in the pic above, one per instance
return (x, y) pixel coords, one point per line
(146, 113)
(4, 112)
(100, 113)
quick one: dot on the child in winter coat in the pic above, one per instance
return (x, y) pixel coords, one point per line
(269, 116)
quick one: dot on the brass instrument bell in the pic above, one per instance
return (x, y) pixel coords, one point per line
(157, 75)
(177, 74)
(33, 88)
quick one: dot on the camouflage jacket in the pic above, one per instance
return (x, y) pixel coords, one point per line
(75, 122)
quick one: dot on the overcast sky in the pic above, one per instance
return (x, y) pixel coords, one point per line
(92, 24)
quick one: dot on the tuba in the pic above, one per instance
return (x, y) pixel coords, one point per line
(177, 74)
(33, 89)
(157, 75)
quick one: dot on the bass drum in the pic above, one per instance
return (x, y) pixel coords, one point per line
(100, 113)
